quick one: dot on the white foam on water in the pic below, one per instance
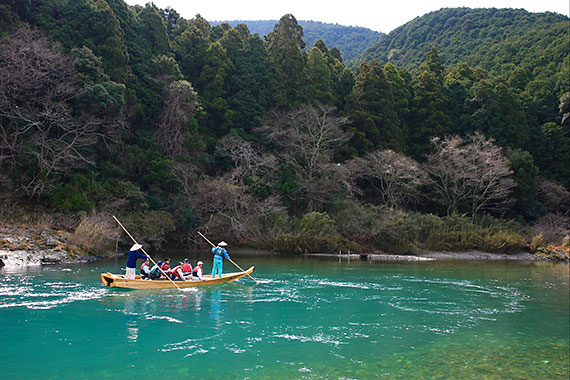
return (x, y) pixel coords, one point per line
(318, 338)
(179, 348)
(344, 284)
(38, 302)
(198, 351)
(235, 349)
(164, 317)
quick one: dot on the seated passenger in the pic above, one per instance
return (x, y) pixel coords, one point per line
(166, 265)
(145, 270)
(186, 268)
(198, 272)
(177, 274)
(155, 272)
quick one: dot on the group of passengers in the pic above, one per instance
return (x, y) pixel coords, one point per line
(181, 272)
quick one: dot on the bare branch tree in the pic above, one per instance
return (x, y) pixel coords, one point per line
(245, 217)
(306, 140)
(473, 173)
(554, 196)
(251, 166)
(40, 134)
(174, 120)
(396, 178)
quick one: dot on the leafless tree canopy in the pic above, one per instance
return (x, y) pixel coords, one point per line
(396, 178)
(173, 132)
(40, 135)
(470, 175)
(306, 140)
(554, 196)
(242, 215)
(174, 121)
(251, 166)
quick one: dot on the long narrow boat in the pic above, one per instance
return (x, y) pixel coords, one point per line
(118, 281)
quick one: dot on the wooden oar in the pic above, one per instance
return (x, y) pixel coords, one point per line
(147, 255)
(199, 233)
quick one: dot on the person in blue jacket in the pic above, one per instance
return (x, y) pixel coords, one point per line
(219, 254)
(134, 254)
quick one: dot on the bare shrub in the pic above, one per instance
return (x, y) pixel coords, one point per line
(230, 206)
(553, 227)
(553, 196)
(96, 234)
(536, 242)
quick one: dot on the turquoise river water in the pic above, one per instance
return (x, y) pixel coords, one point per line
(307, 318)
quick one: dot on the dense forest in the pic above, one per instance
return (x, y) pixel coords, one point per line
(497, 40)
(351, 41)
(175, 124)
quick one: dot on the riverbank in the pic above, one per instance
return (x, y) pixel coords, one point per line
(431, 256)
(37, 246)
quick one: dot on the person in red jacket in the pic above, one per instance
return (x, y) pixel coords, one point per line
(166, 265)
(186, 268)
(198, 272)
(176, 273)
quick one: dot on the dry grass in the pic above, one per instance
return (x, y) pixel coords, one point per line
(96, 234)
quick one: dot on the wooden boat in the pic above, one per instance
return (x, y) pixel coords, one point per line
(118, 281)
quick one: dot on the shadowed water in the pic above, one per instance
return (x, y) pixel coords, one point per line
(306, 319)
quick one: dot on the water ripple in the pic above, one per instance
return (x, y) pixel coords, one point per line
(33, 293)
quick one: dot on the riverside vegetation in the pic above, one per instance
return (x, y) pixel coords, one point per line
(174, 125)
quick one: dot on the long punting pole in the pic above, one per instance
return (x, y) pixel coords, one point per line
(147, 255)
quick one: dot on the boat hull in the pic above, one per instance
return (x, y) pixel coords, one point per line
(118, 281)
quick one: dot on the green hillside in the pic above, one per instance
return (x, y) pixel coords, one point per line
(351, 41)
(174, 125)
(494, 39)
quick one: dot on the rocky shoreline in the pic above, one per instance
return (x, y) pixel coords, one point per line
(36, 246)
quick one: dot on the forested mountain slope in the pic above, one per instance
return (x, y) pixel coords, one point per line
(351, 41)
(494, 39)
(175, 124)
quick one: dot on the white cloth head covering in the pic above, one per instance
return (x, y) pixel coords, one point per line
(136, 247)
(199, 263)
(222, 244)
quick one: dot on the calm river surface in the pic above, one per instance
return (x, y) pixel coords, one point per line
(308, 318)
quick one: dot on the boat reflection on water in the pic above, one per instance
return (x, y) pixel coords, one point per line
(132, 310)
(216, 308)
(198, 300)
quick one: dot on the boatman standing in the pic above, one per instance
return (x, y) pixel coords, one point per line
(219, 253)
(134, 254)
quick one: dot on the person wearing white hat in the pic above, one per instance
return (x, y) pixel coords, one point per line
(219, 253)
(198, 272)
(134, 254)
